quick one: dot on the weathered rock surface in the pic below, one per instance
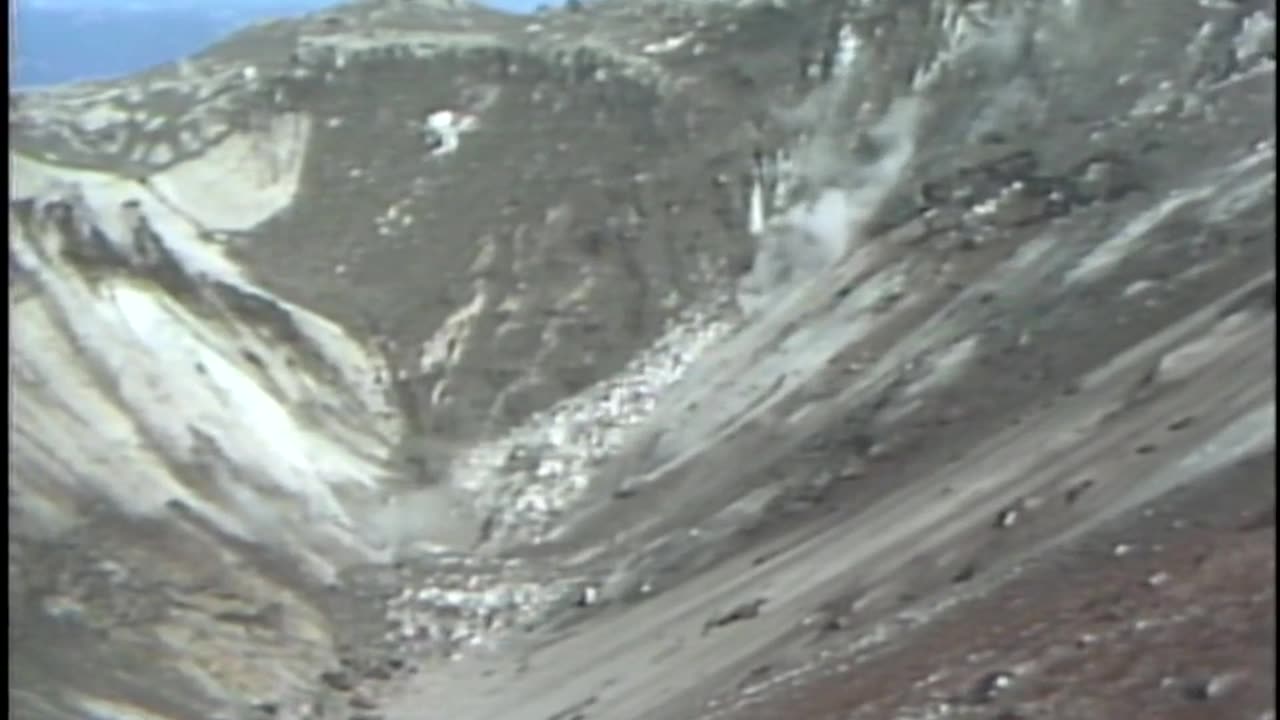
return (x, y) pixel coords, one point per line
(652, 360)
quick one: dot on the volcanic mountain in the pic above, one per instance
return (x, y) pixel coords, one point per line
(652, 359)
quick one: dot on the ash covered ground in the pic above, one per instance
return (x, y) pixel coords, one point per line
(653, 360)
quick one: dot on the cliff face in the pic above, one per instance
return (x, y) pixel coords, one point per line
(364, 339)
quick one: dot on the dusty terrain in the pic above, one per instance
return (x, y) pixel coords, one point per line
(668, 360)
(1169, 614)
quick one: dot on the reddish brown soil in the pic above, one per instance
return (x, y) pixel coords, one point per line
(1166, 616)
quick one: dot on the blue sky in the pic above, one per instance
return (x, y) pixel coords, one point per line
(53, 46)
(510, 5)
(517, 5)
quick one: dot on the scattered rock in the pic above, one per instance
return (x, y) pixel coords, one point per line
(1007, 517)
(590, 596)
(339, 680)
(1140, 287)
(1260, 521)
(965, 574)
(1075, 491)
(991, 685)
(745, 611)
(754, 675)
(1210, 688)
(836, 622)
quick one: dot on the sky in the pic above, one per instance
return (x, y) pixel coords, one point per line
(55, 40)
(248, 5)
(517, 5)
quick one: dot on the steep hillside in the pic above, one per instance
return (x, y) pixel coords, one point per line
(414, 360)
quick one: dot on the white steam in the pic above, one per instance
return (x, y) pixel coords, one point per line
(814, 235)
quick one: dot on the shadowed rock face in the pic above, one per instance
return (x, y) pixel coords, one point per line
(647, 360)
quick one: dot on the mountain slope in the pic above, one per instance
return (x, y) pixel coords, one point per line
(415, 331)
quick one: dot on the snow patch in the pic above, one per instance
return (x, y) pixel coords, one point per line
(443, 130)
